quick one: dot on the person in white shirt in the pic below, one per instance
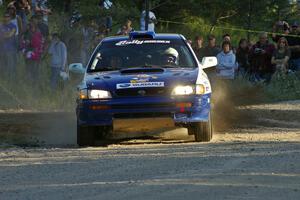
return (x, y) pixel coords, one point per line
(226, 62)
(152, 21)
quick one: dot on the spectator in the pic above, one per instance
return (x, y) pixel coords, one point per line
(8, 46)
(58, 52)
(294, 44)
(73, 38)
(281, 55)
(43, 29)
(22, 9)
(211, 49)
(198, 47)
(40, 6)
(1, 46)
(42, 26)
(226, 37)
(226, 62)
(151, 23)
(126, 28)
(104, 19)
(16, 20)
(242, 56)
(1, 2)
(33, 49)
(281, 27)
(260, 59)
(88, 34)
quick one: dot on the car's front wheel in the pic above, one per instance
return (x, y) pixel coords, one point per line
(86, 135)
(202, 130)
(92, 135)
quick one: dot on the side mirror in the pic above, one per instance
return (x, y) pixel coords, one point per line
(77, 68)
(209, 62)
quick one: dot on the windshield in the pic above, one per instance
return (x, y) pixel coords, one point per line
(116, 55)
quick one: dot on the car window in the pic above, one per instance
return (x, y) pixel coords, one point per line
(141, 53)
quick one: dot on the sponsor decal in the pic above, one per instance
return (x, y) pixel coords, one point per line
(123, 85)
(142, 76)
(140, 85)
(139, 80)
(139, 42)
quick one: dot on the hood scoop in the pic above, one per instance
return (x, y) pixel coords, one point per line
(142, 70)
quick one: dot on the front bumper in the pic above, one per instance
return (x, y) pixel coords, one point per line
(104, 112)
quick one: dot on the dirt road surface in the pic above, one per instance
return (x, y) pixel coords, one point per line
(256, 156)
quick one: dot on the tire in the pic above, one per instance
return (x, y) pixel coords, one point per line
(202, 130)
(86, 135)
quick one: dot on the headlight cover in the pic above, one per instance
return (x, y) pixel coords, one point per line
(99, 94)
(188, 90)
(183, 90)
(94, 94)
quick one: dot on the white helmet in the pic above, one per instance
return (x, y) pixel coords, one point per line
(172, 55)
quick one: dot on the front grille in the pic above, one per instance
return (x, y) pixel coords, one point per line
(143, 106)
(133, 92)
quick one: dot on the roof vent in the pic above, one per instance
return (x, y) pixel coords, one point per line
(142, 35)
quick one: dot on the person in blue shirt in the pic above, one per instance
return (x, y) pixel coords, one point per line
(58, 52)
(8, 46)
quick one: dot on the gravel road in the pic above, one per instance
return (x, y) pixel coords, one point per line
(254, 158)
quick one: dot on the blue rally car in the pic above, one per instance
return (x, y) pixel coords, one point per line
(144, 76)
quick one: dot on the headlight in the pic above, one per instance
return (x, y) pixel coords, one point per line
(189, 90)
(99, 94)
(183, 90)
(94, 94)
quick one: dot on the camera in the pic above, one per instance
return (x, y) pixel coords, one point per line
(76, 17)
(258, 50)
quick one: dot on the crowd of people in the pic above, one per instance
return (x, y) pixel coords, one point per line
(258, 62)
(25, 34)
(25, 37)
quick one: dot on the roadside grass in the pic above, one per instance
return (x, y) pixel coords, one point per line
(284, 87)
(39, 96)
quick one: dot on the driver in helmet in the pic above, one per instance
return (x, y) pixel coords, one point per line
(170, 56)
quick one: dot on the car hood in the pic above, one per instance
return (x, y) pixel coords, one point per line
(112, 80)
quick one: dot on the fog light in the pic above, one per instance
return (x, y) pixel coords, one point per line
(183, 106)
(100, 107)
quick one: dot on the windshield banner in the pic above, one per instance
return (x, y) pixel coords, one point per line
(128, 42)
